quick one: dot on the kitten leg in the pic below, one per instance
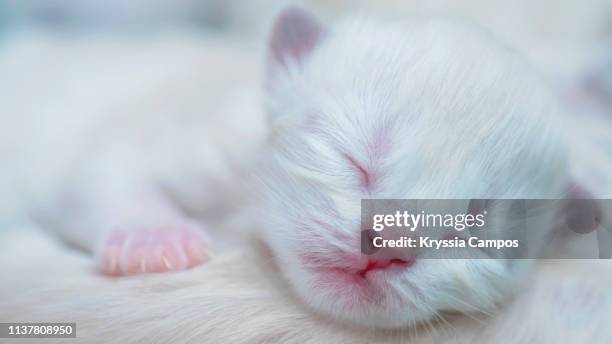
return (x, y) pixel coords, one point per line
(148, 234)
(128, 225)
(151, 249)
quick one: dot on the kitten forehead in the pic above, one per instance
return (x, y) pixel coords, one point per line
(453, 108)
(440, 88)
(397, 64)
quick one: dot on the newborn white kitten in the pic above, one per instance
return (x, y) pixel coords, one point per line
(377, 109)
(361, 109)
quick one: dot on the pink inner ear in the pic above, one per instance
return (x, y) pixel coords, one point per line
(366, 177)
(583, 213)
(295, 33)
(577, 191)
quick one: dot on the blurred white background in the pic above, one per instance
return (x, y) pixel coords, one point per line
(65, 64)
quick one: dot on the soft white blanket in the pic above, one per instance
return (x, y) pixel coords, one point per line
(236, 298)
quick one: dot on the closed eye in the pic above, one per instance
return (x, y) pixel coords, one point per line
(364, 175)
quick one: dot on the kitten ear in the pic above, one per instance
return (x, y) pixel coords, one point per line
(584, 226)
(295, 34)
(583, 213)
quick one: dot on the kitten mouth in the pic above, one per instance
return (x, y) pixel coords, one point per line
(371, 267)
(342, 269)
(359, 268)
(369, 287)
(382, 265)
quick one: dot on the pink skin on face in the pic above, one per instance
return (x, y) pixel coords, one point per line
(354, 276)
(150, 250)
(361, 285)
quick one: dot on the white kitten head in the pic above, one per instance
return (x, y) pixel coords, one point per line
(427, 109)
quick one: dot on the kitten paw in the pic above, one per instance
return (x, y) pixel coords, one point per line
(150, 250)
